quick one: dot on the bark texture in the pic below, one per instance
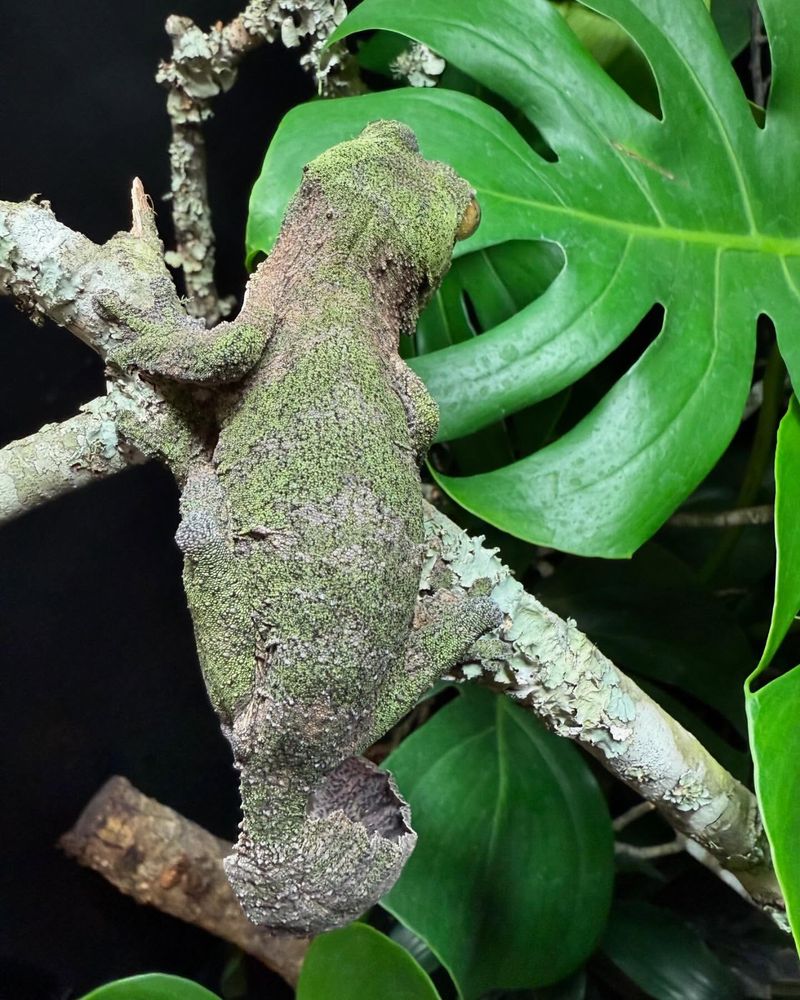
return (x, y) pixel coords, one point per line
(59, 458)
(162, 859)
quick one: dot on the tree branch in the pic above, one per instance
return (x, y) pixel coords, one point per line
(548, 666)
(203, 65)
(50, 270)
(55, 273)
(108, 296)
(162, 859)
(59, 458)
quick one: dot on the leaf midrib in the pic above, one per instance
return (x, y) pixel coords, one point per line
(755, 242)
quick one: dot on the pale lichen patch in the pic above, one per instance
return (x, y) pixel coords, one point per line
(9, 498)
(418, 64)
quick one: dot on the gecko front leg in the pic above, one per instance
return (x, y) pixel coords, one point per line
(422, 413)
(181, 349)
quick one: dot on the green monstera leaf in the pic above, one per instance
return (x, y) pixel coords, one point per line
(695, 210)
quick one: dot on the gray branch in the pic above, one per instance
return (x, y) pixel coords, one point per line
(548, 666)
(53, 272)
(60, 458)
(738, 517)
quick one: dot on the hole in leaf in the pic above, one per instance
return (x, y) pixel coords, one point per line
(616, 51)
(485, 288)
(481, 291)
(587, 392)
(528, 131)
(469, 309)
(524, 432)
(733, 21)
(454, 79)
(753, 64)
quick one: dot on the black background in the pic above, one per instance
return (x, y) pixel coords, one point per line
(97, 660)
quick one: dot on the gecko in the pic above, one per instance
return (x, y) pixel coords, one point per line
(300, 432)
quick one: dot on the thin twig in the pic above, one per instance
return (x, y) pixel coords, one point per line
(694, 850)
(631, 815)
(203, 65)
(651, 852)
(736, 518)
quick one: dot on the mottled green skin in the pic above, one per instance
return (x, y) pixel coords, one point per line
(302, 526)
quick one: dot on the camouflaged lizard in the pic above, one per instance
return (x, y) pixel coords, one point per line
(301, 519)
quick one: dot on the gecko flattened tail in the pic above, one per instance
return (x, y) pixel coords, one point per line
(348, 853)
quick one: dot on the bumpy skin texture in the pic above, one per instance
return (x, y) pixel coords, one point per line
(302, 524)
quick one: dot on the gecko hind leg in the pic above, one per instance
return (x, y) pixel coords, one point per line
(450, 624)
(422, 413)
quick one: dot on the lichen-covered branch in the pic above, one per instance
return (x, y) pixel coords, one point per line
(161, 859)
(418, 64)
(59, 458)
(93, 290)
(53, 272)
(547, 665)
(203, 65)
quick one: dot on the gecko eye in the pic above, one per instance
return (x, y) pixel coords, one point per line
(470, 220)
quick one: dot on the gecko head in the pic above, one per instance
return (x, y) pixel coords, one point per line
(390, 208)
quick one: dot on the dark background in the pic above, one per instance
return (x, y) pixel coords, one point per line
(97, 660)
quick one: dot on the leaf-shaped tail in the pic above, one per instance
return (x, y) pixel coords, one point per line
(346, 853)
